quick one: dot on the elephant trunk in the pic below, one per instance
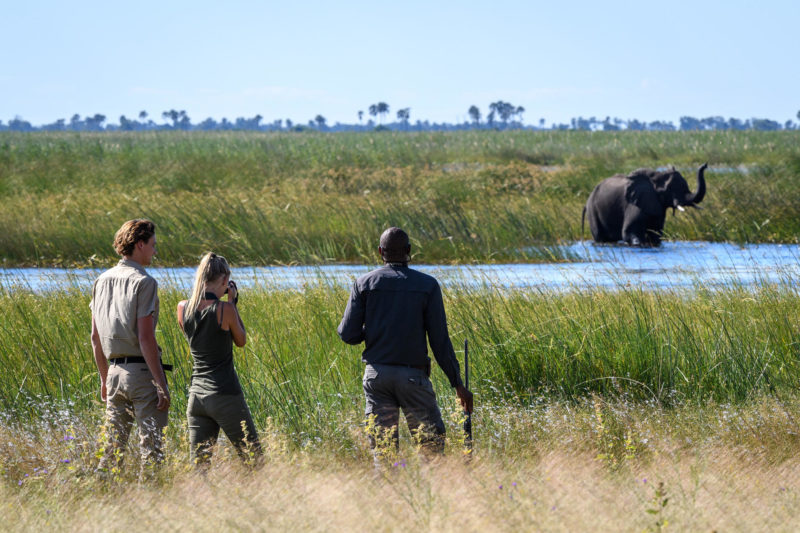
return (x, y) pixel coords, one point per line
(697, 196)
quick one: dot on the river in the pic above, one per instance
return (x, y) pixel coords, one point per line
(673, 265)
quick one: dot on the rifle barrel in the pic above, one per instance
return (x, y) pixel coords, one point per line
(466, 364)
(467, 416)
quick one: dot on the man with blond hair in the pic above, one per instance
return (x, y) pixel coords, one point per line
(124, 316)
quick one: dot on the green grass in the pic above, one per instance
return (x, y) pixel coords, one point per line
(662, 348)
(313, 198)
(580, 396)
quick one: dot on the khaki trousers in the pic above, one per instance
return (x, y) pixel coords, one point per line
(131, 395)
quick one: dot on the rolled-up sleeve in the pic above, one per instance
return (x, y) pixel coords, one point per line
(439, 339)
(146, 297)
(351, 328)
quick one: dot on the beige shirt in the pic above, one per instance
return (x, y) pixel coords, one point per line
(121, 296)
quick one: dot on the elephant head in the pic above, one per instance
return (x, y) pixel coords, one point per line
(674, 192)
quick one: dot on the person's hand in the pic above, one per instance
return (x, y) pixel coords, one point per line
(103, 391)
(163, 398)
(465, 397)
(233, 292)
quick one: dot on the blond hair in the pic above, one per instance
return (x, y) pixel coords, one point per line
(211, 268)
(130, 233)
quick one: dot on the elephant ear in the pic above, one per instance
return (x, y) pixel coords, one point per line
(661, 181)
(639, 192)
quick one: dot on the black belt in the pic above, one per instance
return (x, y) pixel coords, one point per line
(418, 367)
(134, 359)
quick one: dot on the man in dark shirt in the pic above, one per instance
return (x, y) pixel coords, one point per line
(391, 309)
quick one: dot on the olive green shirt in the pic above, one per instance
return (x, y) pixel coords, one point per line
(121, 296)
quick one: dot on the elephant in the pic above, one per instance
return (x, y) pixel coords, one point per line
(632, 208)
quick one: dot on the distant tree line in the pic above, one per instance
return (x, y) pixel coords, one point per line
(501, 116)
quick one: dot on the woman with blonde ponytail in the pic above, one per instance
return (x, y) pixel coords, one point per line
(216, 399)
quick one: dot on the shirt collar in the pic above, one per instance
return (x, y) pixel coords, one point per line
(133, 264)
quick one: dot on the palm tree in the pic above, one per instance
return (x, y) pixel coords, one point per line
(403, 115)
(502, 109)
(519, 111)
(475, 114)
(383, 109)
(360, 116)
(320, 120)
(171, 115)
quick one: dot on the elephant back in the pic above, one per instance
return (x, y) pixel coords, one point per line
(642, 173)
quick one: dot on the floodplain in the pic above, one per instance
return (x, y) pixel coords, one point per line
(613, 409)
(464, 197)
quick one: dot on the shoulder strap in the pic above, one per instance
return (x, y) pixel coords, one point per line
(188, 322)
(221, 314)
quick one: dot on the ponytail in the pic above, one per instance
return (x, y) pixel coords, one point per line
(211, 268)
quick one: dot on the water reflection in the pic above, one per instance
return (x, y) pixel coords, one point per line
(673, 265)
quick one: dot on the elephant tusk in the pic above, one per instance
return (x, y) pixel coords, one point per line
(681, 209)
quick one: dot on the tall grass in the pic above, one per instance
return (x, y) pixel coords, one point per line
(664, 348)
(557, 467)
(311, 198)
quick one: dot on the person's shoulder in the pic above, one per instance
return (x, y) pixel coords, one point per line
(111, 272)
(123, 270)
(144, 282)
(108, 275)
(142, 276)
(224, 310)
(371, 275)
(422, 277)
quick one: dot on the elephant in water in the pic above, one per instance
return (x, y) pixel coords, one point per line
(632, 208)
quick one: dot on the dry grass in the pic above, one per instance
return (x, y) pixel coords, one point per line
(592, 467)
(717, 489)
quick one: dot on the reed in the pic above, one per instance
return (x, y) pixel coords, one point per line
(315, 198)
(667, 348)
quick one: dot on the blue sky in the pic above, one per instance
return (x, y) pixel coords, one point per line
(629, 59)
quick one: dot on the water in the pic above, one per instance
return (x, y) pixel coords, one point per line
(673, 265)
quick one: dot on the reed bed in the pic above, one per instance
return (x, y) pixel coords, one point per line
(315, 198)
(665, 348)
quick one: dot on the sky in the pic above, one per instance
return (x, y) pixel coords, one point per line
(299, 59)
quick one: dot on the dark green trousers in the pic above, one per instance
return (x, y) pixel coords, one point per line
(208, 413)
